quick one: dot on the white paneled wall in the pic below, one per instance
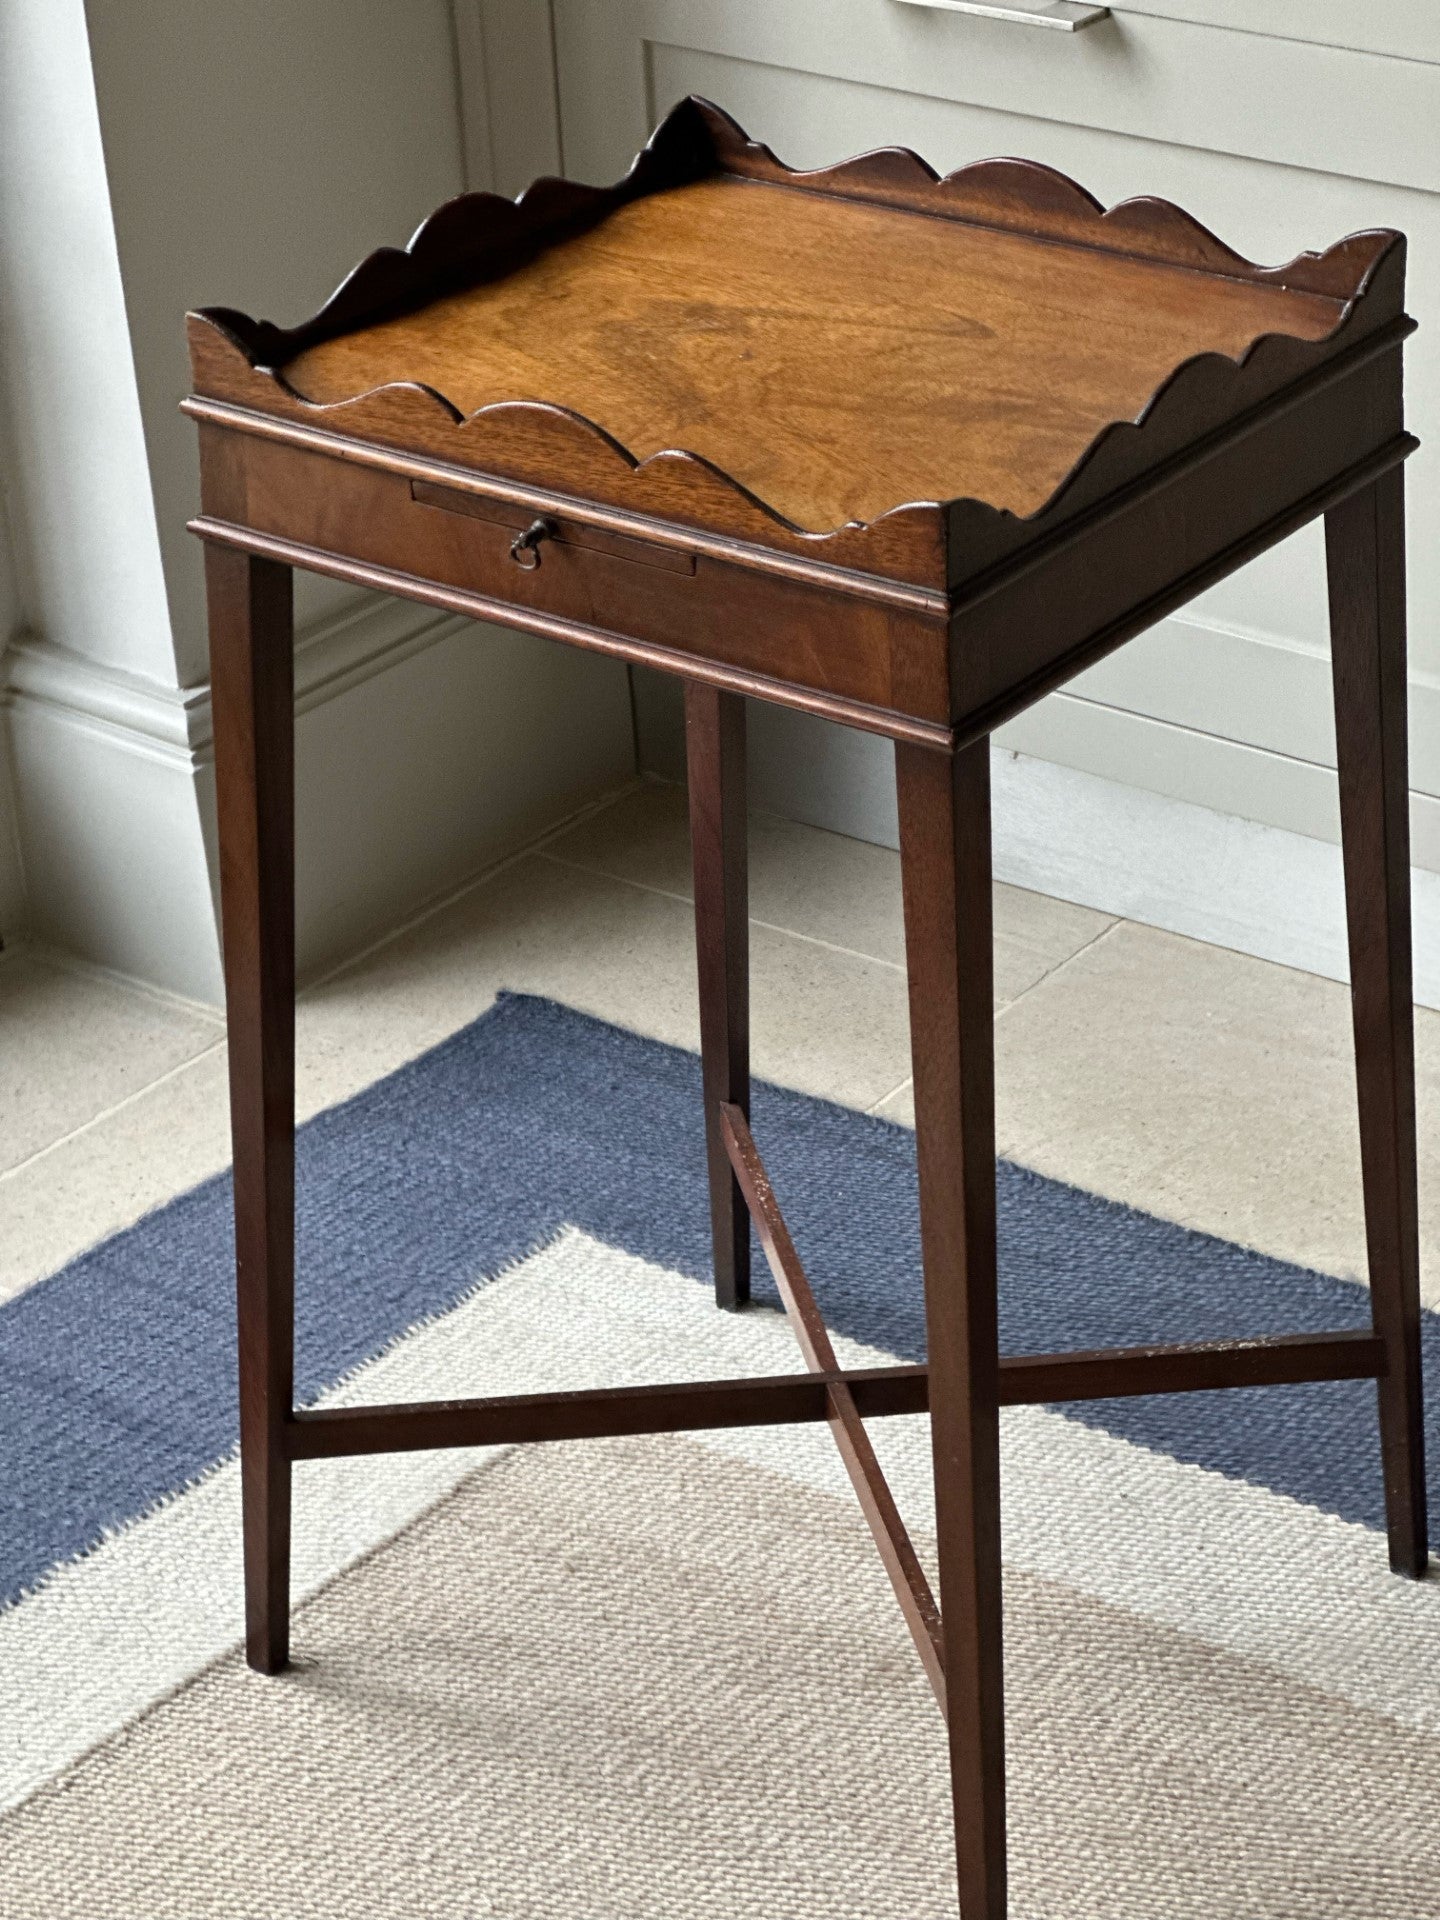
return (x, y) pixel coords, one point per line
(1243, 673)
(157, 155)
(1284, 124)
(12, 878)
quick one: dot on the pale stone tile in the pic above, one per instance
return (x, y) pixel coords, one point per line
(826, 1022)
(1207, 1087)
(1196, 1083)
(109, 1174)
(73, 1044)
(829, 1023)
(643, 836)
(899, 1105)
(821, 885)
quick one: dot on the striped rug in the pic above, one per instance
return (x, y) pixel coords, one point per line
(627, 1679)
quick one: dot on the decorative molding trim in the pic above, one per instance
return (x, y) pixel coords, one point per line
(174, 723)
(1213, 770)
(403, 791)
(1249, 95)
(14, 905)
(1102, 841)
(505, 53)
(109, 802)
(114, 787)
(339, 653)
(154, 719)
(1406, 31)
(472, 95)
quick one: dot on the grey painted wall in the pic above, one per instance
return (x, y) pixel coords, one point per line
(157, 155)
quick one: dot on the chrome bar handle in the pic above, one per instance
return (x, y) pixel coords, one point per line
(1066, 16)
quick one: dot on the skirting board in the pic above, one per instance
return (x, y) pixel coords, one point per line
(1062, 830)
(1238, 721)
(13, 915)
(107, 807)
(1169, 863)
(427, 747)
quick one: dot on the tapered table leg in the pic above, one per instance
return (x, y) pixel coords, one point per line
(715, 754)
(1365, 539)
(945, 858)
(252, 679)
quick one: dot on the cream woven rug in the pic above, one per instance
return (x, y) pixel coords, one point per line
(665, 1679)
(616, 1680)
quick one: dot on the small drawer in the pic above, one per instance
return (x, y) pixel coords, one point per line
(549, 529)
(854, 653)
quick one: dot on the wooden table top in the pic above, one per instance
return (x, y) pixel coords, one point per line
(836, 358)
(867, 366)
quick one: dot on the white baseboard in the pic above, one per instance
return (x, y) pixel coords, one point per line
(1172, 864)
(1198, 709)
(1120, 846)
(429, 747)
(426, 748)
(1235, 720)
(423, 760)
(107, 804)
(14, 916)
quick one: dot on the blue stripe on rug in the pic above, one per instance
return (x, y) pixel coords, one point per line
(116, 1374)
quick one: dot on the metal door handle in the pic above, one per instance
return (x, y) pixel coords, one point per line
(1066, 16)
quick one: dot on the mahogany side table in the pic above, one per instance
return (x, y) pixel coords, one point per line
(947, 442)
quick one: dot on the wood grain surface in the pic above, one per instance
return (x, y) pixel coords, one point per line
(837, 358)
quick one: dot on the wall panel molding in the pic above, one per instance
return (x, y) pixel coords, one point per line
(1285, 101)
(472, 95)
(1404, 29)
(508, 90)
(427, 748)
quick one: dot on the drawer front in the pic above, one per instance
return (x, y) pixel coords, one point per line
(1150, 73)
(555, 572)
(1403, 29)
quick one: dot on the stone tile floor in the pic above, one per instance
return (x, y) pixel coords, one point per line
(1206, 1086)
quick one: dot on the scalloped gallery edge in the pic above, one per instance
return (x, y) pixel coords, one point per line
(481, 236)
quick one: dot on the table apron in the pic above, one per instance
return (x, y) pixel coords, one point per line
(792, 641)
(802, 640)
(1142, 554)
